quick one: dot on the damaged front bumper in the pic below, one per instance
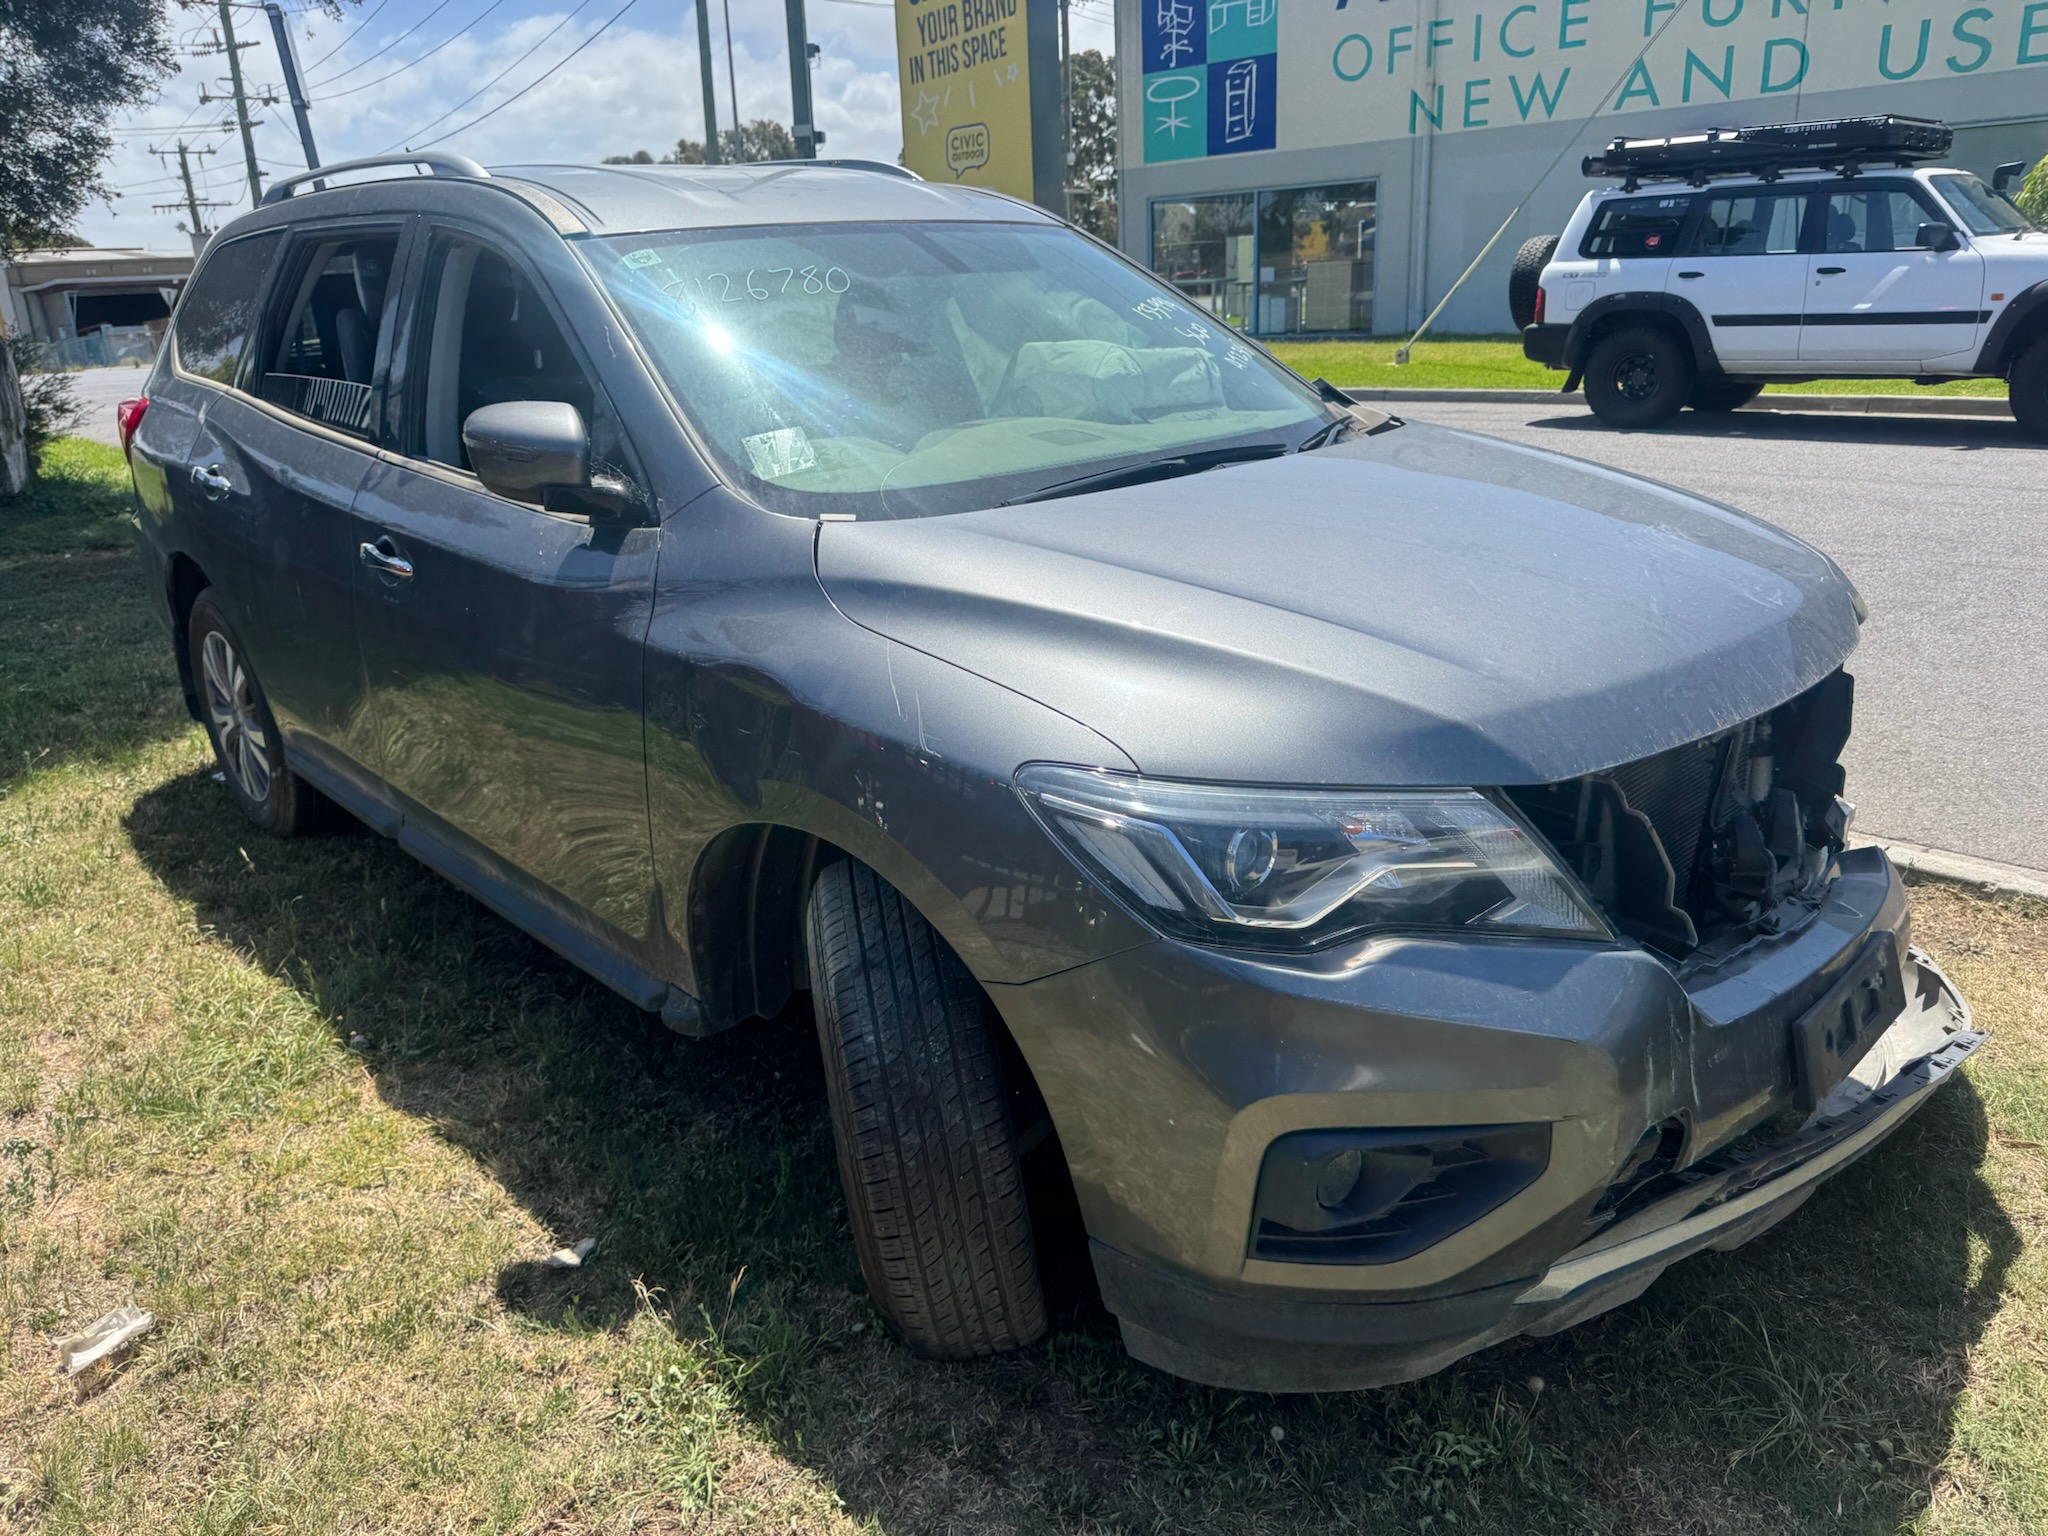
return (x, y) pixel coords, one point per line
(1294, 1344)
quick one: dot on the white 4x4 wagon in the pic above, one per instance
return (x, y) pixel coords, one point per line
(1729, 259)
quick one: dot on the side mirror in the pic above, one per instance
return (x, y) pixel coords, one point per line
(1937, 237)
(522, 447)
(2007, 174)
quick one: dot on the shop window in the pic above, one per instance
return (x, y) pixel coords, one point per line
(1206, 247)
(1316, 259)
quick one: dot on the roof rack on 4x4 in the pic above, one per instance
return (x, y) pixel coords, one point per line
(1844, 144)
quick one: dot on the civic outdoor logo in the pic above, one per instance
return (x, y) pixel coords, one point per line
(1211, 77)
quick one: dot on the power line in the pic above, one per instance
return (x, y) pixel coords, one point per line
(408, 32)
(353, 33)
(581, 6)
(332, 95)
(501, 106)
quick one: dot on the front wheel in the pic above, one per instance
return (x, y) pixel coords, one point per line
(1719, 396)
(921, 1112)
(1639, 376)
(2029, 389)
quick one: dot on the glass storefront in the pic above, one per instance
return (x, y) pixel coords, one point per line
(1289, 262)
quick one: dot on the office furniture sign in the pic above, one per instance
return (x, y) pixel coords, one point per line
(1226, 76)
(980, 84)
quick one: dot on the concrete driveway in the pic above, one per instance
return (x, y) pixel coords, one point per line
(1942, 523)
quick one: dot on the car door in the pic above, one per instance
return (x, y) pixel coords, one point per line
(1744, 272)
(281, 461)
(1876, 295)
(502, 643)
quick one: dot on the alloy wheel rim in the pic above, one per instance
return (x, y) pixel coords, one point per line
(231, 707)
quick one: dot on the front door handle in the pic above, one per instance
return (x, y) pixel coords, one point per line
(384, 558)
(212, 480)
(1692, 274)
(1830, 271)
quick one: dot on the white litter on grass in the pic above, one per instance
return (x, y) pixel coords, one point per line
(116, 1331)
(358, 1043)
(570, 1258)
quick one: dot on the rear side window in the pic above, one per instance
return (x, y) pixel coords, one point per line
(1751, 223)
(220, 308)
(1637, 226)
(325, 349)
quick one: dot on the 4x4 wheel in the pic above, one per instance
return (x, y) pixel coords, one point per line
(1715, 397)
(2029, 389)
(244, 733)
(921, 1113)
(1638, 376)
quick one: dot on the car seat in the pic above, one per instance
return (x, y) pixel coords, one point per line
(355, 325)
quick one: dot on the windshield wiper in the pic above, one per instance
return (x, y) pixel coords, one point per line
(1151, 469)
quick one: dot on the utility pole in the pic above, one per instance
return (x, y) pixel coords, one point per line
(197, 228)
(732, 80)
(234, 52)
(1066, 112)
(711, 155)
(289, 58)
(803, 124)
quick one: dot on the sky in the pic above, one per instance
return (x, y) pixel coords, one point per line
(380, 76)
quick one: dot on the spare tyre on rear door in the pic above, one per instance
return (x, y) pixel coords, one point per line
(1526, 276)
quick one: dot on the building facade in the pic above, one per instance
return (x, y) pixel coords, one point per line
(93, 306)
(1330, 167)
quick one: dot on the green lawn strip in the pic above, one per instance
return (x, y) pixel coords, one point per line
(324, 1116)
(1496, 362)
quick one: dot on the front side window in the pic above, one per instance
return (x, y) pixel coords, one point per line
(1983, 211)
(897, 370)
(1878, 218)
(1636, 226)
(324, 351)
(213, 323)
(1751, 224)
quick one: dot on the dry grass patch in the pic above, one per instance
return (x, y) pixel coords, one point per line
(324, 1116)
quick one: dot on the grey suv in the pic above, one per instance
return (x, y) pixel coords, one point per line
(1392, 884)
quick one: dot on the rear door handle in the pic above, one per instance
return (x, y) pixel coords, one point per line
(384, 558)
(1692, 274)
(212, 480)
(1830, 271)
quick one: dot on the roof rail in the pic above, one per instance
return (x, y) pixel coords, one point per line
(880, 167)
(440, 164)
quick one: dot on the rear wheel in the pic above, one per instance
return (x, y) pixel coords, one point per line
(921, 1112)
(1526, 276)
(2029, 389)
(1714, 397)
(244, 733)
(1638, 376)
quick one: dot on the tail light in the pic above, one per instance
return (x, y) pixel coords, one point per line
(1539, 304)
(127, 417)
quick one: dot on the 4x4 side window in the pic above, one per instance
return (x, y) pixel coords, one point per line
(486, 336)
(220, 309)
(1637, 226)
(324, 350)
(1884, 217)
(1757, 221)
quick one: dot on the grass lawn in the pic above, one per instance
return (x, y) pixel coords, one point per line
(324, 1116)
(1496, 362)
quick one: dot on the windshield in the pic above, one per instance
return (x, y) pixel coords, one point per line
(1983, 211)
(899, 370)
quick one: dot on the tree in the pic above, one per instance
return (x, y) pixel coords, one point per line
(65, 68)
(2033, 198)
(762, 139)
(1091, 131)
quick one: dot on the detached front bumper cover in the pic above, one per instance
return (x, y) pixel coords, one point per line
(1273, 1344)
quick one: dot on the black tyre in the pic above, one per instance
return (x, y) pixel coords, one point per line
(1526, 275)
(2029, 389)
(921, 1112)
(1638, 376)
(1716, 397)
(245, 736)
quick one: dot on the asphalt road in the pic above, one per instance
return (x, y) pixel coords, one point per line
(1941, 522)
(98, 391)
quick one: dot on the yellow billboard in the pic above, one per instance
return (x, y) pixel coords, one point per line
(965, 71)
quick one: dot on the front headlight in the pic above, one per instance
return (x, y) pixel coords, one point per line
(1297, 868)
